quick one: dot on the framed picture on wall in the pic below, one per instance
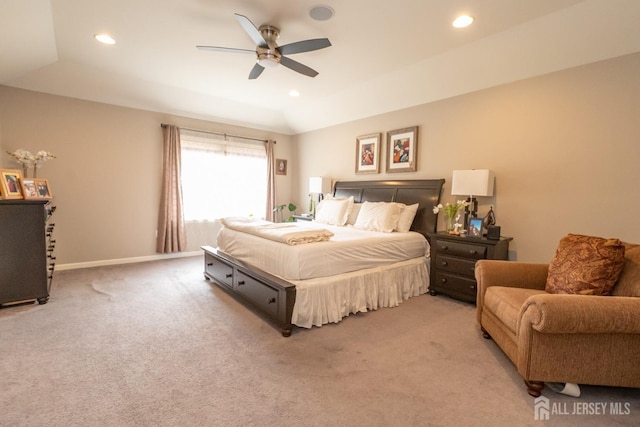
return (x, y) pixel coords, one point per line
(402, 150)
(368, 153)
(281, 167)
(36, 188)
(10, 184)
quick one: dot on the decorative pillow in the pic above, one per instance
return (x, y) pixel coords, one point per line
(378, 216)
(585, 265)
(353, 215)
(407, 214)
(334, 211)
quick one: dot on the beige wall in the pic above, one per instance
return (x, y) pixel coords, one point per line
(565, 149)
(106, 177)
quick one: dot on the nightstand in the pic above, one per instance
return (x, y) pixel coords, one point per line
(303, 217)
(453, 260)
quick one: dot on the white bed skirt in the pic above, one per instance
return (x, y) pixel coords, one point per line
(329, 299)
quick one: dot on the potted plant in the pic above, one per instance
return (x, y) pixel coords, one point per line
(280, 209)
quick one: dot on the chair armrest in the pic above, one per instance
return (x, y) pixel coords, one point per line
(583, 314)
(507, 273)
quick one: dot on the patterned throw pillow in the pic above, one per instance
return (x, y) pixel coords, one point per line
(585, 265)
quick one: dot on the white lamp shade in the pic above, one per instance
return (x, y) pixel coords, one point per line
(473, 182)
(319, 185)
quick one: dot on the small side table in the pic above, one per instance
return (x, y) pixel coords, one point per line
(453, 260)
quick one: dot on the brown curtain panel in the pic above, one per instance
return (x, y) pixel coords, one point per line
(171, 233)
(271, 181)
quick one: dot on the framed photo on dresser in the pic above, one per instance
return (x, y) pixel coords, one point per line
(36, 188)
(10, 184)
(475, 227)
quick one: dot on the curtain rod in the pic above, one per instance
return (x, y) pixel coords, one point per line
(218, 133)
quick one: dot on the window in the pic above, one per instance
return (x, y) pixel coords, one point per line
(222, 176)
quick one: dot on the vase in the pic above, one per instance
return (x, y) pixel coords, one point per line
(449, 223)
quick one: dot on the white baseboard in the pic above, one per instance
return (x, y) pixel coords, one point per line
(101, 263)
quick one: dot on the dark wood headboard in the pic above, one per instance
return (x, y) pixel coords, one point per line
(425, 192)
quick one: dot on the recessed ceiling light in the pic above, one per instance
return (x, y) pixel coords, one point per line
(321, 12)
(104, 38)
(463, 21)
(294, 93)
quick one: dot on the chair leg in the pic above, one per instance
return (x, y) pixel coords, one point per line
(534, 388)
(485, 334)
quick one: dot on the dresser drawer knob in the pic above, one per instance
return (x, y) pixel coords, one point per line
(272, 300)
(209, 264)
(241, 282)
(445, 263)
(473, 252)
(228, 275)
(443, 280)
(444, 247)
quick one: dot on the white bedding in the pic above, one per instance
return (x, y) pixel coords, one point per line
(283, 232)
(347, 251)
(329, 299)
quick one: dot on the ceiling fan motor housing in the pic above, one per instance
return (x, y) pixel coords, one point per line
(268, 56)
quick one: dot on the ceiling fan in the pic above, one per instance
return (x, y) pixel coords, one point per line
(269, 54)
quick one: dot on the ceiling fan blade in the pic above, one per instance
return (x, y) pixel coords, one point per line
(251, 30)
(298, 67)
(225, 49)
(256, 71)
(304, 46)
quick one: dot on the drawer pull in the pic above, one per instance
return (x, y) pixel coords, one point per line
(241, 282)
(443, 280)
(473, 252)
(444, 247)
(209, 264)
(272, 300)
(445, 263)
(228, 275)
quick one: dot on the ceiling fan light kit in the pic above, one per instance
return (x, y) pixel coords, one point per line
(268, 53)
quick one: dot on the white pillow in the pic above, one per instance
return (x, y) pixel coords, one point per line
(353, 215)
(378, 216)
(407, 214)
(334, 211)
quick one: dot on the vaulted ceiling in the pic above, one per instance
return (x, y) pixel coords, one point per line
(385, 55)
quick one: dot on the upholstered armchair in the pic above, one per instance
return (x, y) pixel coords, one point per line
(581, 337)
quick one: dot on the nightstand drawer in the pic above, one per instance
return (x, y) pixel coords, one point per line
(465, 250)
(465, 267)
(453, 260)
(459, 286)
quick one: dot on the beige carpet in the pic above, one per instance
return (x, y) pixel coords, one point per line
(154, 344)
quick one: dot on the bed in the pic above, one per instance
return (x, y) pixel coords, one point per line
(295, 285)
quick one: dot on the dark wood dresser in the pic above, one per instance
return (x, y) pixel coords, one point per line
(26, 250)
(453, 260)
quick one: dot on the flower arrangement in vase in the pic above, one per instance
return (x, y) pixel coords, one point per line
(451, 214)
(28, 160)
